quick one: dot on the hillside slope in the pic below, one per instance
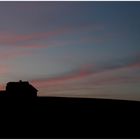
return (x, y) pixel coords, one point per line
(55, 117)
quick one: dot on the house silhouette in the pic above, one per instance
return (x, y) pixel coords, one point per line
(19, 89)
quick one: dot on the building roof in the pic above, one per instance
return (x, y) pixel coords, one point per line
(21, 88)
(20, 85)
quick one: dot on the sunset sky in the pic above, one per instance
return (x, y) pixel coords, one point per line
(73, 49)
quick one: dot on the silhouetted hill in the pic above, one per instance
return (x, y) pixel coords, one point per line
(57, 117)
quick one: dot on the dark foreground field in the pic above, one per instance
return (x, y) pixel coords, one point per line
(50, 117)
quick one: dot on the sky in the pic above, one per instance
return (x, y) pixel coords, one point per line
(72, 49)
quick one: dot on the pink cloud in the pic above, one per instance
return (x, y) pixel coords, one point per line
(60, 80)
(135, 65)
(115, 80)
(33, 46)
(85, 71)
(130, 66)
(81, 73)
(13, 38)
(2, 87)
(13, 54)
(3, 70)
(9, 38)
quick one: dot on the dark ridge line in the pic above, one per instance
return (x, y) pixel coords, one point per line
(83, 98)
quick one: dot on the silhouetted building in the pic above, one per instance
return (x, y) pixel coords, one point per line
(19, 89)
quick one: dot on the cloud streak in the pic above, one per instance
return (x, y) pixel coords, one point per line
(8, 38)
(25, 39)
(12, 54)
(3, 70)
(81, 73)
(90, 70)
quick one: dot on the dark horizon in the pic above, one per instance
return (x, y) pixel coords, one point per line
(24, 115)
